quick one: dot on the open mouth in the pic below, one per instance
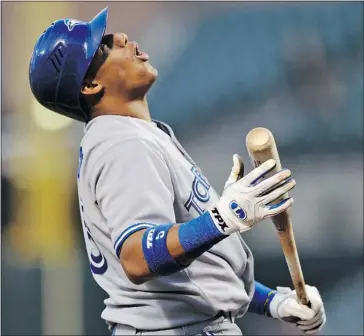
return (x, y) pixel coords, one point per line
(141, 54)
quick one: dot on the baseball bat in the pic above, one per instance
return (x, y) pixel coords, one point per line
(261, 147)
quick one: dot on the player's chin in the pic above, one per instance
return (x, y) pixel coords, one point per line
(152, 71)
(150, 74)
(146, 74)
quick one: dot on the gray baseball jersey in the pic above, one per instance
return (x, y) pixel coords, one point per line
(134, 174)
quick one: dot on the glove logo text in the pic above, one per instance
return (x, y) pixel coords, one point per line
(219, 219)
(237, 210)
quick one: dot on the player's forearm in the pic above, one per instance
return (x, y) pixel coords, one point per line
(132, 259)
(166, 249)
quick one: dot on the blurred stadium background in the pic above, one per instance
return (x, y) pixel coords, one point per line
(296, 68)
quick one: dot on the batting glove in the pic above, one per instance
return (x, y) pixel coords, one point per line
(285, 306)
(248, 200)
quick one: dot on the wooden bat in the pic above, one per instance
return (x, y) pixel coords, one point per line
(261, 147)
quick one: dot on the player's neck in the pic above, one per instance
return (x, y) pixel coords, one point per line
(136, 108)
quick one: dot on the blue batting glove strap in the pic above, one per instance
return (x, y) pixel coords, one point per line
(267, 302)
(155, 250)
(261, 300)
(199, 235)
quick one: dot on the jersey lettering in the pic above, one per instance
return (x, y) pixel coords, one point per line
(199, 193)
(98, 262)
(80, 159)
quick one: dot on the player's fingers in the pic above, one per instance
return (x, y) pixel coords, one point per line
(316, 329)
(239, 162)
(312, 327)
(307, 324)
(314, 297)
(284, 187)
(258, 172)
(237, 171)
(272, 182)
(312, 332)
(293, 308)
(284, 290)
(275, 209)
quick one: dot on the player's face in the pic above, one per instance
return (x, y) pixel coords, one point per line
(126, 68)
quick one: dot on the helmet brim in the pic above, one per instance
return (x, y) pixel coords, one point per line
(97, 28)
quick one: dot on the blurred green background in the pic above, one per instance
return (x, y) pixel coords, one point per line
(224, 68)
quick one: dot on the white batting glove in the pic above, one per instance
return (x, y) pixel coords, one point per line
(285, 306)
(247, 201)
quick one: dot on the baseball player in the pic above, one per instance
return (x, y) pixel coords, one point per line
(161, 242)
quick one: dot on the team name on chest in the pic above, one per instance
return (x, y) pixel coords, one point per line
(199, 193)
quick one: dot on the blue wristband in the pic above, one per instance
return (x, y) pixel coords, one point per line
(199, 235)
(155, 250)
(261, 299)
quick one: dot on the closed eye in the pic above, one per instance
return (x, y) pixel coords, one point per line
(104, 50)
(106, 46)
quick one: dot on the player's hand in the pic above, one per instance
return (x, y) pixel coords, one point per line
(248, 200)
(285, 306)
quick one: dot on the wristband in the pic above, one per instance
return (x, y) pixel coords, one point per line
(261, 300)
(199, 235)
(155, 250)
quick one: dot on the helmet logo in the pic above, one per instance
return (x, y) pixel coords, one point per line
(70, 23)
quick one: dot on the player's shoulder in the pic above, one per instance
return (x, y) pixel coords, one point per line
(108, 132)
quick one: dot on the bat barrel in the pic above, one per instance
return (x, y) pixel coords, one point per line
(261, 147)
(259, 139)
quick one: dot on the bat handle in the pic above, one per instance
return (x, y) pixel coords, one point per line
(305, 301)
(301, 293)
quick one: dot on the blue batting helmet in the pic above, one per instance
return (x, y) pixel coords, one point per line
(60, 60)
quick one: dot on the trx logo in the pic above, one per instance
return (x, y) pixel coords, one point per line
(237, 210)
(219, 219)
(150, 238)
